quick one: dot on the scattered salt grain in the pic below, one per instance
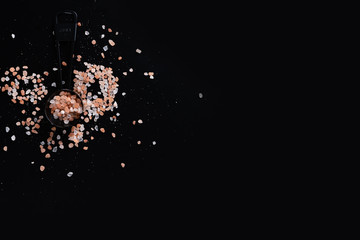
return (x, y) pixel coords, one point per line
(13, 137)
(42, 168)
(7, 129)
(87, 33)
(123, 93)
(102, 36)
(111, 42)
(201, 95)
(140, 121)
(69, 174)
(55, 69)
(138, 50)
(103, 26)
(154, 143)
(53, 84)
(13, 35)
(122, 165)
(105, 48)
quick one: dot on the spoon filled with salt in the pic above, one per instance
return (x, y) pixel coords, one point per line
(64, 107)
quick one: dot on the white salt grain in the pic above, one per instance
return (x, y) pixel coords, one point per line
(13, 35)
(201, 95)
(138, 50)
(153, 143)
(7, 129)
(102, 36)
(87, 33)
(70, 174)
(53, 84)
(13, 137)
(105, 48)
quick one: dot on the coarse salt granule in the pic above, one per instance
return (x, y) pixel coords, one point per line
(153, 142)
(7, 129)
(122, 165)
(138, 50)
(201, 95)
(69, 174)
(13, 35)
(87, 33)
(111, 42)
(13, 137)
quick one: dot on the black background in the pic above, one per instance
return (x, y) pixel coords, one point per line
(178, 40)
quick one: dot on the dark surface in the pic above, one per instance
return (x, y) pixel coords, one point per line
(176, 41)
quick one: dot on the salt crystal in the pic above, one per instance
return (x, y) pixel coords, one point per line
(103, 26)
(55, 69)
(28, 133)
(58, 137)
(7, 129)
(201, 95)
(138, 50)
(13, 137)
(140, 121)
(13, 35)
(131, 70)
(153, 143)
(87, 33)
(54, 149)
(111, 42)
(117, 114)
(105, 48)
(69, 174)
(53, 84)
(123, 93)
(102, 35)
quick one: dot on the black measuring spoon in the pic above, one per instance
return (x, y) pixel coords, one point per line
(65, 34)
